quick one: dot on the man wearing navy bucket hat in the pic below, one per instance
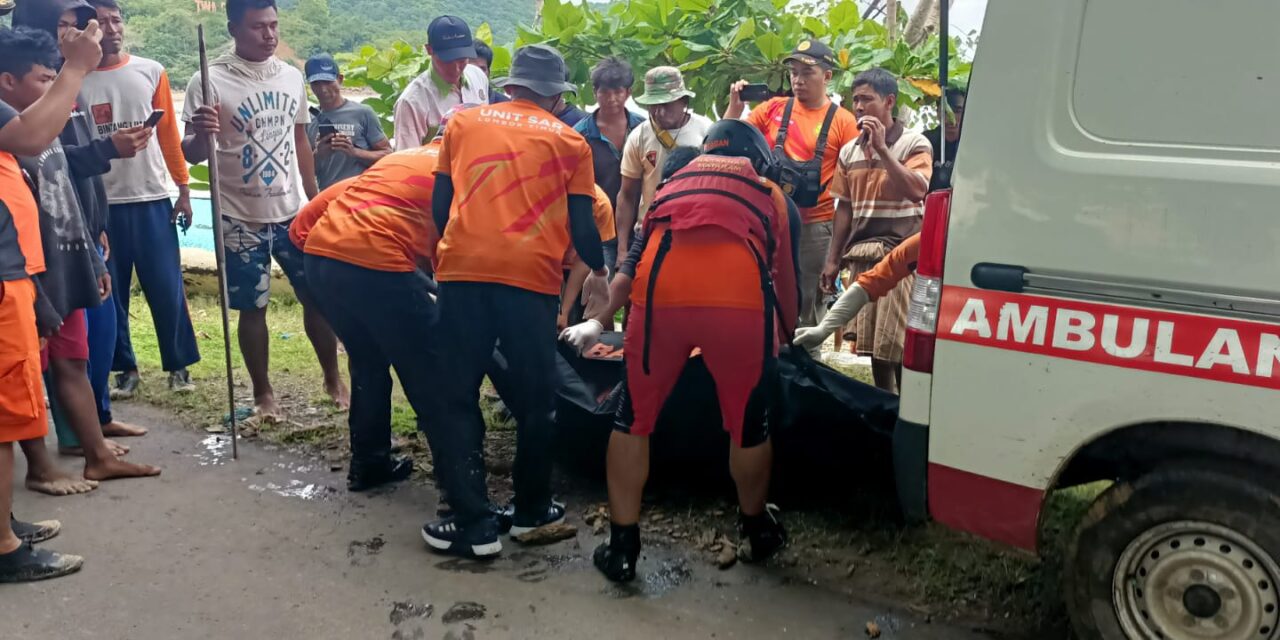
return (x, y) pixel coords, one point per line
(514, 187)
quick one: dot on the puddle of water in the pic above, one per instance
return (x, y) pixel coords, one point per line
(214, 450)
(408, 610)
(462, 611)
(297, 489)
(888, 623)
(466, 565)
(294, 467)
(655, 582)
(372, 546)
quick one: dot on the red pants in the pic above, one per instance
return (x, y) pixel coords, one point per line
(732, 344)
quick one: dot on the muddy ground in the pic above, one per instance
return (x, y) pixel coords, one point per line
(272, 546)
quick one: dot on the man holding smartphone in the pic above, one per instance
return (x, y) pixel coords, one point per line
(347, 136)
(125, 92)
(810, 116)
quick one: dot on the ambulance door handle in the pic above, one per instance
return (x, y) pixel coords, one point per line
(999, 277)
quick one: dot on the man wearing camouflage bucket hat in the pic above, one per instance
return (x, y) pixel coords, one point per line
(670, 125)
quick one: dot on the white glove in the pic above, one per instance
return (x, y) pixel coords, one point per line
(583, 335)
(848, 306)
(595, 295)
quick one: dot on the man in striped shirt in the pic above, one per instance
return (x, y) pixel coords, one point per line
(123, 93)
(880, 182)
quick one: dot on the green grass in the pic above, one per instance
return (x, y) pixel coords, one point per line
(862, 547)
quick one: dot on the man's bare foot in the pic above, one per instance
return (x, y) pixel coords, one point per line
(57, 483)
(339, 393)
(266, 409)
(114, 469)
(117, 429)
(116, 448)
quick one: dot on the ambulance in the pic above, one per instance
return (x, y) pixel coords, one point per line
(1098, 299)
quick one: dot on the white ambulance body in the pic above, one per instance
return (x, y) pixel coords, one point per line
(1099, 298)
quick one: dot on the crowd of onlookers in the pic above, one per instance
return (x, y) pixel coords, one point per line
(498, 215)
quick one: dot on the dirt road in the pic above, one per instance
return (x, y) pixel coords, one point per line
(273, 547)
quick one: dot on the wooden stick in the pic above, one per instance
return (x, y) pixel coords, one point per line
(220, 251)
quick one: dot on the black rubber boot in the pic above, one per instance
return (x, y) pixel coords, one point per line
(764, 535)
(28, 564)
(364, 477)
(616, 559)
(34, 532)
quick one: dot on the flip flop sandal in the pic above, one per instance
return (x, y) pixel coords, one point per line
(35, 532)
(28, 564)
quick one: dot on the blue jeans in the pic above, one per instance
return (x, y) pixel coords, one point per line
(144, 239)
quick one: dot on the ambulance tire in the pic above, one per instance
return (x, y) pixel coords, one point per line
(1193, 506)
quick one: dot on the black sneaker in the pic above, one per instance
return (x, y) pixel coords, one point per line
(764, 534)
(365, 477)
(28, 564)
(503, 515)
(126, 385)
(180, 381)
(616, 559)
(477, 540)
(518, 525)
(34, 532)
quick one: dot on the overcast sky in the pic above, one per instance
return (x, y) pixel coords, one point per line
(966, 15)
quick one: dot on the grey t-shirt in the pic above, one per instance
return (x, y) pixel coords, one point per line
(354, 120)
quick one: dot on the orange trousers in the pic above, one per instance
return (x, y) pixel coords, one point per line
(22, 412)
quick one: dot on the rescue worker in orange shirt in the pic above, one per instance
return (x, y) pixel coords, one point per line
(572, 306)
(717, 273)
(368, 244)
(513, 189)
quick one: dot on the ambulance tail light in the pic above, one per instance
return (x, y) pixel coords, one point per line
(926, 296)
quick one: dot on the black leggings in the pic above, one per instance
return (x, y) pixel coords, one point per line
(384, 319)
(474, 319)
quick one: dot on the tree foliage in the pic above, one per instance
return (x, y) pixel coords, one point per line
(714, 42)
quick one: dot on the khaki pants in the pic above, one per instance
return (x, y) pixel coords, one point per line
(815, 239)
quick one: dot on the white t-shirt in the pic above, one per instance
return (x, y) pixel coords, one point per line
(423, 104)
(643, 154)
(260, 104)
(124, 96)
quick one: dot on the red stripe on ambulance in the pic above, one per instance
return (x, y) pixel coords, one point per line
(1196, 346)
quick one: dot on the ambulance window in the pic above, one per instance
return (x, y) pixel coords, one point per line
(1181, 72)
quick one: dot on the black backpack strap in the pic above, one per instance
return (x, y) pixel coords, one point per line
(821, 147)
(786, 123)
(770, 300)
(663, 248)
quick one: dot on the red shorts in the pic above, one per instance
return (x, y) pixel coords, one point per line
(22, 412)
(732, 345)
(70, 341)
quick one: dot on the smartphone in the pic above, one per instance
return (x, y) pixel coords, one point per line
(154, 118)
(328, 129)
(756, 92)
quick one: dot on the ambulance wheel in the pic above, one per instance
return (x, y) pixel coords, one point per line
(1187, 551)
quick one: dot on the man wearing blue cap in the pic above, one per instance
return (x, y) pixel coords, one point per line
(347, 136)
(449, 82)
